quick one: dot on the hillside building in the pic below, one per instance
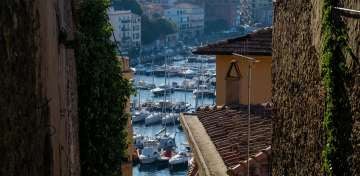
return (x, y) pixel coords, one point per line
(226, 139)
(127, 28)
(189, 19)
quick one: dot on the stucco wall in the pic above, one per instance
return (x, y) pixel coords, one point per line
(126, 166)
(260, 84)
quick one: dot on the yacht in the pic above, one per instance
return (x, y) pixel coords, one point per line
(153, 118)
(139, 116)
(189, 73)
(182, 158)
(170, 119)
(181, 107)
(166, 155)
(150, 153)
(144, 86)
(166, 141)
(162, 90)
(138, 141)
(205, 91)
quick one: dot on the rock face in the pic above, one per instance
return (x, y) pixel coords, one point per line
(298, 92)
(38, 92)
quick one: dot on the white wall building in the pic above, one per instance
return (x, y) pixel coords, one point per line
(165, 3)
(188, 18)
(127, 28)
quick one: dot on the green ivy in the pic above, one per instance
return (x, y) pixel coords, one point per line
(102, 92)
(337, 116)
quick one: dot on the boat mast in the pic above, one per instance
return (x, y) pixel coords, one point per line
(138, 90)
(203, 76)
(185, 89)
(165, 74)
(153, 77)
(198, 86)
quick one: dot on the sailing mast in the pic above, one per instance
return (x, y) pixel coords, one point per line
(165, 87)
(203, 77)
(138, 90)
(185, 89)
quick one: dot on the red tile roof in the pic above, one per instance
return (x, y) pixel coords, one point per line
(262, 157)
(228, 130)
(256, 43)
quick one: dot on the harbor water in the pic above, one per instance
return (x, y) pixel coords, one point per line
(145, 95)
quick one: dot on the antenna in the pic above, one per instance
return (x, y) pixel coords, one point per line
(250, 61)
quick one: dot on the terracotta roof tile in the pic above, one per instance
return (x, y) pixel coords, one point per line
(256, 43)
(228, 130)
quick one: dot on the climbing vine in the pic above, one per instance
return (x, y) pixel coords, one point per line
(102, 92)
(337, 115)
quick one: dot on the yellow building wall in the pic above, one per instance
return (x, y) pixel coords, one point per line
(127, 73)
(260, 84)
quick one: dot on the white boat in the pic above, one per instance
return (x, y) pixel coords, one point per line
(188, 73)
(139, 116)
(170, 119)
(167, 142)
(182, 158)
(150, 153)
(205, 91)
(161, 91)
(153, 118)
(166, 155)
(138, 141)
(145, 86)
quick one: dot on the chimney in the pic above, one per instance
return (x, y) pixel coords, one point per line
(232, 89)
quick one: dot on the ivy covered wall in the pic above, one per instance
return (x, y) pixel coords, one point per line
(315, 88)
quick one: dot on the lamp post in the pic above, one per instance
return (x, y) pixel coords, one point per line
(250, 61)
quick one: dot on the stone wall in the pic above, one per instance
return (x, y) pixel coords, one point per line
(38, 104)
(298, 92)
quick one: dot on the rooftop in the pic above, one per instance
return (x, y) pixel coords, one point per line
(184, 5)
(255, 43)
(227, 131)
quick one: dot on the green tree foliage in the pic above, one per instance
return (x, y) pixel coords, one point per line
(102, 93)
(132, 5)
(153, 29)
(216, 26)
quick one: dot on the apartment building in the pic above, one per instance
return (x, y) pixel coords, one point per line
(229, 139)
(188, 18)
(127, 28)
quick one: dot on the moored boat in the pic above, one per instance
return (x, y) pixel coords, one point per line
(153, 119)
(182, 158)
(170, 119)
(150, 153)
(139, 116)
(205, 91)
(162, 90)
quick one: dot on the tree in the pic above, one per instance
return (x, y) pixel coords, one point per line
(102, 93)
(153, 29)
